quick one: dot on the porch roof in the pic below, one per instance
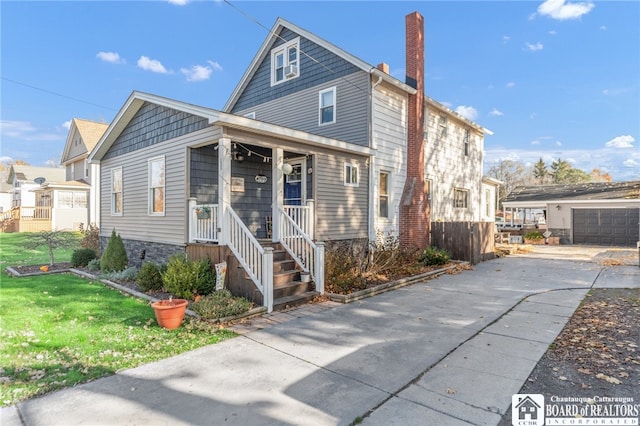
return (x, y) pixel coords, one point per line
(137, 99)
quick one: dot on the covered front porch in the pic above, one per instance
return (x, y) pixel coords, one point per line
(243, 195)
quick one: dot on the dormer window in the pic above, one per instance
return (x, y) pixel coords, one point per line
(285, 63)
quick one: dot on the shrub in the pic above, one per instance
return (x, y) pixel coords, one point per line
(128, 274)
(434, 256)
(186, 278)
(82, 257)
(114, 257)
(94, 265)
(533, 235)
(90, 237)
(150, 277)
(221, 304)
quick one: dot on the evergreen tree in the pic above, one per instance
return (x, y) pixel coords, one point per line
(540, 171)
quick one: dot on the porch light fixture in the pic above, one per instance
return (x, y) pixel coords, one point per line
(286, 168)
(238, 156)
(558, 206)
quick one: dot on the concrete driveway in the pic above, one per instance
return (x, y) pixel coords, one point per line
(450, 351)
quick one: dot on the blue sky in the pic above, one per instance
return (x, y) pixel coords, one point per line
(556, 79)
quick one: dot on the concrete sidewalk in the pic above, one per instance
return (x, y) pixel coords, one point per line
(445, 352)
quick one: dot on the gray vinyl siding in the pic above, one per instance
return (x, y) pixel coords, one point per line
(341, 211)
(154, 124)
(300, 110)
(327, 66)
(135, 222)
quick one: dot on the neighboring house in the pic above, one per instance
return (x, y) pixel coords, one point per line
(412, 182)
(301, 156)
(6, 195)
(30, 211)
(82, 138)
(600, 213)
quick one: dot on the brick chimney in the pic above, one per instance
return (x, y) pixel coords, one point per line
(414, 204)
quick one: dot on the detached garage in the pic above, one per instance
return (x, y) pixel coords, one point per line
(597, 213)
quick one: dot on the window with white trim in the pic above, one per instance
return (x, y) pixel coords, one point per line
(156, 186)
(351, 174)
(327, 106)
(383, 195)
(116, 192)
(285, 63)
(487, 203)
(442, 126)
(86, 168)
(460, 198)
(465, 141)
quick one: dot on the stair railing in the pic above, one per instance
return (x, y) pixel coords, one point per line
(256, 260)
(307, 254)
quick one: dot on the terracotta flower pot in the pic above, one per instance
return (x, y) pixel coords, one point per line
(170, 313)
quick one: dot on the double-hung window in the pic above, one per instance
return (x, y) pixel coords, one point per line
(442, 126)
(351, 174)
(116, 191)
(156, 186)
(383, 195)
(465, 141)
(327, 106)
(460, 198)
(285, 62)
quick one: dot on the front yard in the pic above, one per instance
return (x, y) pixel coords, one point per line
(58, 330)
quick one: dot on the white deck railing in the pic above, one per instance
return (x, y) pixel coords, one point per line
(256, 260)
(307, 254)
(302, 216)
(203, 223)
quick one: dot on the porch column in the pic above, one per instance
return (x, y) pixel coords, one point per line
(224, 188)
(277, 189)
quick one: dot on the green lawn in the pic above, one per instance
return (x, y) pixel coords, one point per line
(58, 330)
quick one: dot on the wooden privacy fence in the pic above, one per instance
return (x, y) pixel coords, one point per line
(470, 241)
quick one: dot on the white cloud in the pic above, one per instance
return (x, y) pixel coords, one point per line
(562, 10)
(470, 113)
(112, 57)
(617, 91)
(631, 163)
(625, 141)
(534, 47)
(510, 84)
(25, 131)
(67, 124)
(506, 39)
(558, 143)
(603, 27)
(496, 113)
(152, 65)
(553, 32)
(6, 159)
(535, 142)
(201, 72)
(178, 2)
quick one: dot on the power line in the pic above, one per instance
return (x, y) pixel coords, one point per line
(254, 20)
(56, 93)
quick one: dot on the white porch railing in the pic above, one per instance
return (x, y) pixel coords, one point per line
(306, 253)
(302, 216)
(256, 260)
(203, 222)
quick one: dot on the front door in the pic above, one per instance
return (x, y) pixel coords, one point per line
(295, 184)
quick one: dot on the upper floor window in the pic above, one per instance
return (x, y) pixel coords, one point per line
(156, 186)
(442, 126)
(465, 141)
(460, 198)
(383, 195)
(327, 106)
(351, 174)
(285, 62)
(116, 191)
(86, 168)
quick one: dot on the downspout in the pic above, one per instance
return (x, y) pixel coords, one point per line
(372, 176)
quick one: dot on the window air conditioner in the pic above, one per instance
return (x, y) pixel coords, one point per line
(290, 71)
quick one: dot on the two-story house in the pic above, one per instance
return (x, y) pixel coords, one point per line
(314, 145)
